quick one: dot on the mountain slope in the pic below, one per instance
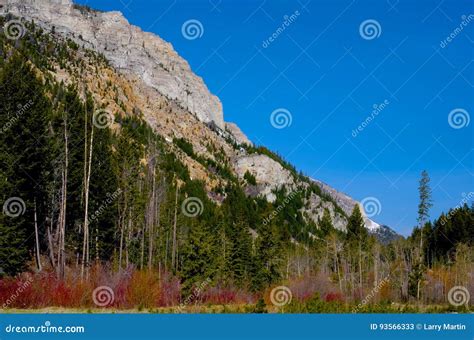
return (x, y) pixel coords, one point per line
(151, 79)
(383, 233)
(129, 50)
(109, 182)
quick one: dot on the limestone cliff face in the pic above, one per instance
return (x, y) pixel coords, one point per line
(239, 136)
(382, 232)
(269, 174)
(346, 203)
(128, 48)
(151, 78)
(315, 210)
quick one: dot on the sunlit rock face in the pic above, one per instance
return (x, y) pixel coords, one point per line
(155, 78)
(128, 48)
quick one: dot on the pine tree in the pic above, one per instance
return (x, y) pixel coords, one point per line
(126, 167)
(425, 199)
(267, 258)
(325, 225)
(423, 215)
(357, 237)
(356, 230)
(237, 214)
(24, 166)
(197, 257)
(199, 253)
(104, 194)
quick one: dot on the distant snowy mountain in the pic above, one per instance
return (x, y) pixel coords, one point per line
(383, 232)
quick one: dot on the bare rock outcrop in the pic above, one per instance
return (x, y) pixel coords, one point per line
(268, 173)
(156, 81)
(315, 209)
(347, 204)
(239, 136)
(128, 48)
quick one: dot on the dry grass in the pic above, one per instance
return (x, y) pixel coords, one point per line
(212, 309)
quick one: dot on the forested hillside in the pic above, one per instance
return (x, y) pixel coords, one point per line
(93, 196)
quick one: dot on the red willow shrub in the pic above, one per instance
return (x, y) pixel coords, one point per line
(131, 289)
(170, 290)
(14, 290)
(41, 290)
(143, 290)
(305, 287)
(225, 294)
(333, 297)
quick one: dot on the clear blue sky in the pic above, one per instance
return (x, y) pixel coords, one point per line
(329, 77)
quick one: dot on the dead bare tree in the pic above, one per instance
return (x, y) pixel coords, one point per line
(85, 244)
(62, 219)
(38, 257)
(173, 250)
(151, 213)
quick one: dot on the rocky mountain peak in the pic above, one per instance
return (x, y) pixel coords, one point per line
(128, 48)
(382, 232)
(162, 86)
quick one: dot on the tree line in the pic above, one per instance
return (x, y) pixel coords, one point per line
(94, 192)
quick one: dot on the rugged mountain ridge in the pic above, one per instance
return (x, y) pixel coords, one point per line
(129, 50)
(155, 81)
(384, 233)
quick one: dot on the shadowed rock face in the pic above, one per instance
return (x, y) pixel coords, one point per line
(128, 48)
